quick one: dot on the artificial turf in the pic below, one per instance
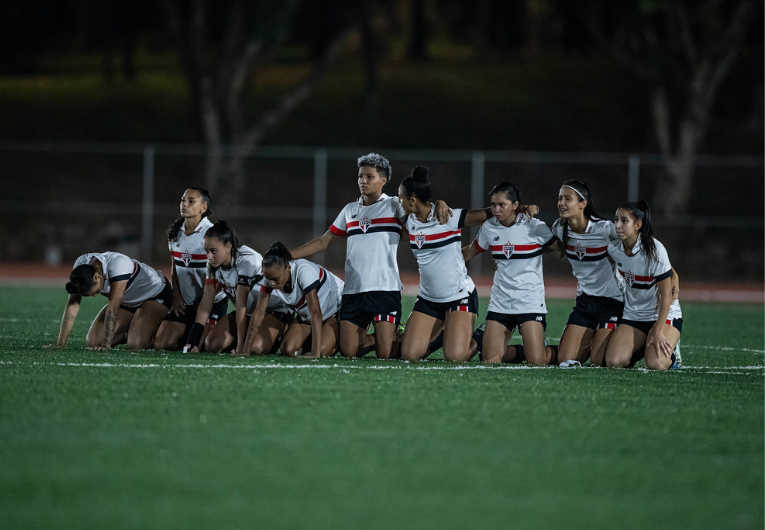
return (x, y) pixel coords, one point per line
(166, 440)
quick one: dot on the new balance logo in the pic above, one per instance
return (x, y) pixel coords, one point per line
(496, 238)
(540, 318)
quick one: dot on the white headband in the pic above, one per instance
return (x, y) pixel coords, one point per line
(576, 190)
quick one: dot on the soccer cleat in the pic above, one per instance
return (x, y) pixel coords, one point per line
(401, 328)
(677, 361)
(478, 336)
(571, 364)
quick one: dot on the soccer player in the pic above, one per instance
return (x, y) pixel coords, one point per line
(372, 228)
(447, 296)
(652, 321)
(585, 237)
(518, 291)
(233, 269)
(139, 298)
(185, 240)
(311, 291)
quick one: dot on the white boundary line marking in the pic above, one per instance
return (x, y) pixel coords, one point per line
(345, 367)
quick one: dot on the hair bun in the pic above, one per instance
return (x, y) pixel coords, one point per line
(420, 174)
(71, 288)
(278, 246)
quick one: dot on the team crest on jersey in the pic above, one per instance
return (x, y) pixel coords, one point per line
(186, 257)
(364, 224)
(580, 251)
(508, 249)
(419, 240)
(629, 277)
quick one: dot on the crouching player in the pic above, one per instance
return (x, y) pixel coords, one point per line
(311, 291)
(652, 320)
(139, 298)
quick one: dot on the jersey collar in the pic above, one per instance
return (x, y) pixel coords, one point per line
(432, 213)
(382, 196)
(636, 249)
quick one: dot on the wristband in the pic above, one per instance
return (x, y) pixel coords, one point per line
(195, 334)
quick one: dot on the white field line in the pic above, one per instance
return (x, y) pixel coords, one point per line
(346, 367)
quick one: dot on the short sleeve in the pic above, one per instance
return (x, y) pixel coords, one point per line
(482, 241)
(340, 227)
(612, 232)
(119, 268)
(82, 260)
(542, 234)
(308, 275)
(660, 269)
(248, 269)
(398, 210)
(557, 229)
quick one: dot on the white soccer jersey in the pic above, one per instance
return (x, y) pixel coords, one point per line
(518, 285)
(588, 255)
(190, 260)
(438, 249)
(640, 278)
(143, 282)
(305, 277)
(245, 270)
(373, 233)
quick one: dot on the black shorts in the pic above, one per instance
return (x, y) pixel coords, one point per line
(439, 310)
(361, 309)
(517, 320)
(596, 312)
(645, 326)
(190, 313)
(165, 297)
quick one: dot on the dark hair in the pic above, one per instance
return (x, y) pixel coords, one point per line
(379, 162)
(417, 184)
(81, 279)
(642, 213)
(175, 226)
(512, 191)
(223, 232)
(278, 254)
(582, 192)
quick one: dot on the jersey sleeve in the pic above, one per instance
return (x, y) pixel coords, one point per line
(248, 269)
(482, 243)
(661, 269)
(82, 260)
(612, 232)
(340, 227)
(397, 210)
(308, 276)
(543, 234)
(557, 229)
(120, 268)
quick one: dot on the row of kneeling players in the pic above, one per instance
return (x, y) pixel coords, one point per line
(626, 307)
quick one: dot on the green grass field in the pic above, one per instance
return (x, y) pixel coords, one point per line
(166, 440)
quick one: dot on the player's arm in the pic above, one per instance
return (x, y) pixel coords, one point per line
(664, 294)
(242, 292)
(67, 320)
(116, 294)
(203, 314)
(179, 306)
(313, 247)
(317, 322)
(675, 285)
(443, 212)
(470, 251)
(256, 320)
(553, 245)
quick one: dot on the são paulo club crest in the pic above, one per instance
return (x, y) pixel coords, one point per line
(419, 240)
(508, 249)
(580, 251)
(364, 224)
(629, 277)
(186, 257)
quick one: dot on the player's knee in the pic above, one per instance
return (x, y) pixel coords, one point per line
(291, 347)
(409, 354)
(164, 342)
(138, 342)
(654, 362)
(214, 344)
(92, 341)
(456, 354)
(617, 359)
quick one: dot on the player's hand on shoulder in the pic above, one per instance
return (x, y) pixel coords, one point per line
(443, 212)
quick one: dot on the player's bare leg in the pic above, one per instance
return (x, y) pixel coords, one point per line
(169, 335)
(420, 328)
(222, 335)
(625, 340)
(265, 338)
(653, 360)
(599, 344)
(292, 342)
(95, 336)
(144, 325)
(354, 340)
(575, 343)
(384, 340)
(533, 334)
(458, 331)
(495, 339)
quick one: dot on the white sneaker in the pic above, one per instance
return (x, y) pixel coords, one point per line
(570, 364)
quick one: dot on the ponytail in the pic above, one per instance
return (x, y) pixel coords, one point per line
(417, 184)
(582, 192)
(642, 213)
(278, 254)
(174, 229)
